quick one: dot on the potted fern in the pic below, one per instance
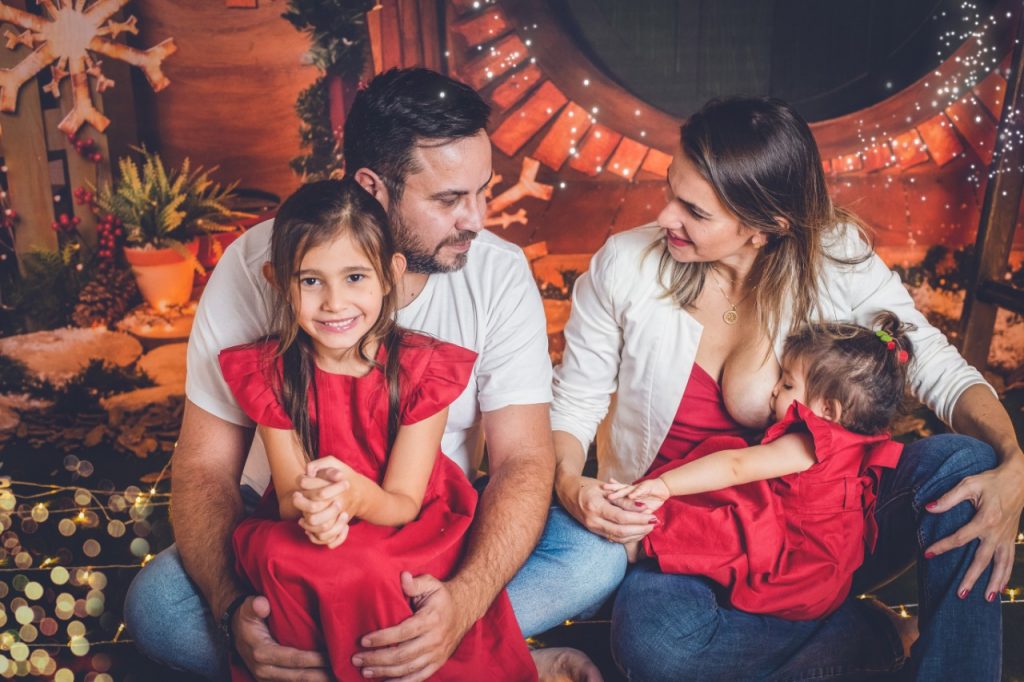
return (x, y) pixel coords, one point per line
(163, 213)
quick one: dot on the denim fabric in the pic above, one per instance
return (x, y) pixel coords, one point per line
(672, 627)
(169, 619)
(570, 574)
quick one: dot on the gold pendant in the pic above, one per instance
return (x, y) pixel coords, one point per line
(730, 316)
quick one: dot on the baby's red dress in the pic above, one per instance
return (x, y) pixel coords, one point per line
(327, 599)
(786, 547)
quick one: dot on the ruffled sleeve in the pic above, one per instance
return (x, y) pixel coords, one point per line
(251, 373)
(438, 373)
(800, 419)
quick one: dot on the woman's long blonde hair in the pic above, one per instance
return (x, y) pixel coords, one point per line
(761, 159)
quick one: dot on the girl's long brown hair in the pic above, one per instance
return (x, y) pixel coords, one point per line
(314, 215)
(761, 159)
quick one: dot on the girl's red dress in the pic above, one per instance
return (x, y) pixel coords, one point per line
(327, 599)
(786, 547)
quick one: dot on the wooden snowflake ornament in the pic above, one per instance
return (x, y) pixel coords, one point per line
(64, 40)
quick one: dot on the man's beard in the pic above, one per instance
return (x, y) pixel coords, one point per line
(422, 260)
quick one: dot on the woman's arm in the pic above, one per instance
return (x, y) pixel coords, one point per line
(998, 494)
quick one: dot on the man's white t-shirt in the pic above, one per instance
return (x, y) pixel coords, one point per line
(491, 306)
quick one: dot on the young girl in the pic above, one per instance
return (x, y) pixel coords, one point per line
(343, 385)
(783, 525)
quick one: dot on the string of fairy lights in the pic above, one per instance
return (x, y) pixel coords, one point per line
(39, 600)
(33, 615)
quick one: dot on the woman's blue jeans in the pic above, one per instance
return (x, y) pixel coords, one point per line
(671, 627)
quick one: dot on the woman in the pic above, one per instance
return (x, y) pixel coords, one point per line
(683, 321)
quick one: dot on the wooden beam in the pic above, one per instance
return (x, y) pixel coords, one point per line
(508, 93)
(563, 137)
(493, 62)
(626, 160)
(599, 145)
(909, 149)
(998, 217)
(975, 125)
(940, 139)
(24, 149)
(522, 124)
(412, 39)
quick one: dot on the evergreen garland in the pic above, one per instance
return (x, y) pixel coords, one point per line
(340, 43)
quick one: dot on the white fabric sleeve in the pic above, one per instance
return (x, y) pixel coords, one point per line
(589, 372)
(233, 310)
(938, 374)
(514, 366)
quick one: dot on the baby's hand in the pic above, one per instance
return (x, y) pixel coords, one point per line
(618, 494)
(647, 495)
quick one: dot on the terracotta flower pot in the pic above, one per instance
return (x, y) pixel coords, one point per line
(164, 276)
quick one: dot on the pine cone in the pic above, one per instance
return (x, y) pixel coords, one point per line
(106, 299)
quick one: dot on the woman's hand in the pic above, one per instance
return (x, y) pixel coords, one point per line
(584, 499)
(998, 498)
(646, 495)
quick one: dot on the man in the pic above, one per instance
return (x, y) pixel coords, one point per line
(416, 141)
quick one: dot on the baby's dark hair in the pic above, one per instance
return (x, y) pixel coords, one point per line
(864, 370)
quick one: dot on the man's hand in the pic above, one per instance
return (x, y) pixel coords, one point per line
(998, 497)
(267, 660)
(417, 647)
(584, 499)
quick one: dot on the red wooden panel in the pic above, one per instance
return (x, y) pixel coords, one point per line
(391, 35)
(563, 137)
(600, 143)
(412, 40)
(430, 36)
(909, 149)
(848, 163)
(627, 159)
(990, 91)
(826, 166)
(506, 54)
(241, 4)
(940, 139)
(878, 157)
(657, 163)
(482, 28)
(514, 87)
(975, 124)
(522, 124)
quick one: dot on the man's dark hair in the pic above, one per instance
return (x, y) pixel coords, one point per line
(399, 109)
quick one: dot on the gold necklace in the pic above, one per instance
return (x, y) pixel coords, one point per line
(730, 316)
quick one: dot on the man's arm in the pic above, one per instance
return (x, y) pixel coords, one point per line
(207, 466)
(507, 525)
(998, 494)
(514, 506)
(206, 504)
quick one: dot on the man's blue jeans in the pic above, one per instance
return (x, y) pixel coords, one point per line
(672, 627)
(571, 572)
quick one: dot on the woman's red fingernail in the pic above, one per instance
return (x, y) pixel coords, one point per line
(653, 521)
(990, 596)
(962, 593)
(929, 555)
(931, 505)
(640, 504)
